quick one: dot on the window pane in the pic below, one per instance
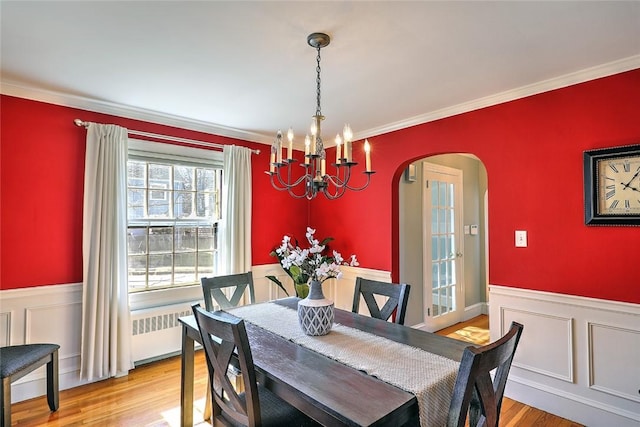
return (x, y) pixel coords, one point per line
(160, 239)
(183, 205)
(137, 240)
(434, 221)
(185, 239)
(205, 180)
(205, 239)
(185, 268)
(435, 275)
(205, 264)
(160, 174)
(138, 272)
(136, 202)
(183, 177)
(442, 197)
(158, 202)
(434, 193)
(136, 174)
(434, 248)
(160, 270)
(205, 206)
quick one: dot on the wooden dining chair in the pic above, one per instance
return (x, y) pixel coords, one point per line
(213, 287)
(478, 393)
(223, 336)
(398, 296)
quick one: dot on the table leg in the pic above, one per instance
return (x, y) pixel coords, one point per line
(186, 376)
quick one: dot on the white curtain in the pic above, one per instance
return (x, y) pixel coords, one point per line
(236, 210)
(106, 335)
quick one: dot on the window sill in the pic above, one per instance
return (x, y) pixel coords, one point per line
(162, 297)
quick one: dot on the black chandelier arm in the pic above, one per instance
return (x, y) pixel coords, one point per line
(288, 183)
(289, 188)
(368, 173)
(344, 184)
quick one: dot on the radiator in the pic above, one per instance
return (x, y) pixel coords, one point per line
(156, 331)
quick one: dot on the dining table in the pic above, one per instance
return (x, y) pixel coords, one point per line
(331, 392)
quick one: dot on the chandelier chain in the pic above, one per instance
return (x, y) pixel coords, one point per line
(318, 112)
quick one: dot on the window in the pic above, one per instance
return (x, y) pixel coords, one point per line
(173, 209)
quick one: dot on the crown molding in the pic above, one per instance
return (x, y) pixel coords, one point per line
(98, 106)
(73, 101)
(603, 70)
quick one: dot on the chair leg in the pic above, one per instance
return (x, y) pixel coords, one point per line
(207, 405)
(53, 390)
(6, 403)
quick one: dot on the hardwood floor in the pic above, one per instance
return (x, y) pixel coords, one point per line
(150, 396)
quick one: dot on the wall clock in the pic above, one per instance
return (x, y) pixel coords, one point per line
(612, 186)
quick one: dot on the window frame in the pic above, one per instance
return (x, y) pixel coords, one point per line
(184, 155)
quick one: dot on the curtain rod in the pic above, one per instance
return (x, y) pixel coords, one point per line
(79, 122)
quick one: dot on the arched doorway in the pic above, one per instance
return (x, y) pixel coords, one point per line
(414, 236)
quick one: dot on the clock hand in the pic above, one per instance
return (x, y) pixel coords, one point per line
(632, 178)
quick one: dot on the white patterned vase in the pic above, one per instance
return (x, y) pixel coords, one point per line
(315, 312)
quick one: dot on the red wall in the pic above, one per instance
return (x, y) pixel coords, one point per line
(42, 174)
(532, 150)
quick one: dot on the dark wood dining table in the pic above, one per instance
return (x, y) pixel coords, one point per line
(332, 393)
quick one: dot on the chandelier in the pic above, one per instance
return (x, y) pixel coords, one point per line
(315, 178)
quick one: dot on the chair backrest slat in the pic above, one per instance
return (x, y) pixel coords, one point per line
(477, 395)
(214, 296)
(397, 294)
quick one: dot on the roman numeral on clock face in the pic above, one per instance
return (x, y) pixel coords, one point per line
(609, 194)
(612, 166)
(614, 204)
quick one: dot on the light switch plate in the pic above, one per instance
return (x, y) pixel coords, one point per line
(521, 239)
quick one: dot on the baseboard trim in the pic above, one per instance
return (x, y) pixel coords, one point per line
(568, 405)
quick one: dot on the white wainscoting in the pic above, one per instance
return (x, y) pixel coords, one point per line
(53, 314)
(44, 314)
(578, 357)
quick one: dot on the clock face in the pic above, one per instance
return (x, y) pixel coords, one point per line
(618, 185)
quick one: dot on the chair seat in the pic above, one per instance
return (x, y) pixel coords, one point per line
(16, 361)
(16, 358)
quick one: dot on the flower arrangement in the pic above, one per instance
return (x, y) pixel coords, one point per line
(312, 263)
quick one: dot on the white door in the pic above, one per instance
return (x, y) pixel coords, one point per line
(442, 242)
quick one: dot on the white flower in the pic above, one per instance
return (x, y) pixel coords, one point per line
(311, 261)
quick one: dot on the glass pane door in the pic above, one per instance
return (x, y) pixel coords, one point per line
(443, 248)
(442, 209)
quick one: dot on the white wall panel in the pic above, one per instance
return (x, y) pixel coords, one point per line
(555, 357)
(614, 360)
(57, 323)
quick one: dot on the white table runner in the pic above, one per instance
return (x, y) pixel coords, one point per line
(430, 377)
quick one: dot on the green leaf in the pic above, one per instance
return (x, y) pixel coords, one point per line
(275, 280)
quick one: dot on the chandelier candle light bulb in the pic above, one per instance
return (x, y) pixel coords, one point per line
(290, 146)
(367, 152)
(315, 178)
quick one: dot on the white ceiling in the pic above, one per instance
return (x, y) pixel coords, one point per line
(244, 68)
